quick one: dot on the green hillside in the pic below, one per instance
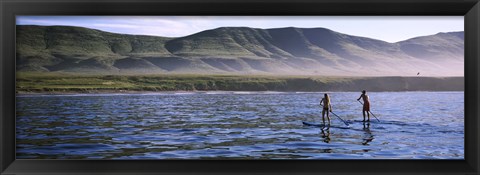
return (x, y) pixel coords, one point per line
(236, 50)
(61, 48)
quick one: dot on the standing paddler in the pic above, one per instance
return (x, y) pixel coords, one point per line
(326, 107)
(366, 104)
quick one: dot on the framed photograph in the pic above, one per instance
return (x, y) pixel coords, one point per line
(239, 87)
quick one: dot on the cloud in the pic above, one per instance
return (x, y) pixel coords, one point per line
(125, 26)
(38, 22)
(170, 26)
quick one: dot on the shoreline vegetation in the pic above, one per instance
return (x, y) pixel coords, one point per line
(56, 83)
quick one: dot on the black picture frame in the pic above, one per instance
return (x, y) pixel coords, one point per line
(10, 8)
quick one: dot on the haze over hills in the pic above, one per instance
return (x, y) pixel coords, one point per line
(237, 50)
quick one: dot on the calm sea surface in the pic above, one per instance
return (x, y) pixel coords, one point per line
(239, 125)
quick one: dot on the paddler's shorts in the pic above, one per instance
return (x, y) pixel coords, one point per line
(366, 106)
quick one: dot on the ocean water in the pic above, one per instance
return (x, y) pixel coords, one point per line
(239, 125)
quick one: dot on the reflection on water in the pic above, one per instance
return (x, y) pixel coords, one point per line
(326, 134)
(367, 136)
(238, 125)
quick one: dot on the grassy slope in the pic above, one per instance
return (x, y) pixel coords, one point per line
(235, 50)
(53, 48)
(59, 83)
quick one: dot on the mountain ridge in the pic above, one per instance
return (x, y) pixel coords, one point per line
(236, 50)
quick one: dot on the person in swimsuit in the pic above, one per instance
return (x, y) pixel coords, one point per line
(366, 104)
(325, 103)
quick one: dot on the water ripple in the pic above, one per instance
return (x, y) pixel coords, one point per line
(238, 125)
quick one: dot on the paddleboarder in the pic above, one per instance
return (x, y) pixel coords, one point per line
(325, 103)
(366, 104)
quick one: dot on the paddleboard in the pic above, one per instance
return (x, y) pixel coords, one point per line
(322, 125)
(361, 121)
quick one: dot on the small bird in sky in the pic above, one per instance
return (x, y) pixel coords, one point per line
(418, 73)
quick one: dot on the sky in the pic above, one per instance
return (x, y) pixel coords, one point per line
(386, 28)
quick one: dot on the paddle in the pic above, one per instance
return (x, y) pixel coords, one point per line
(369, 111)
(338, 117)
